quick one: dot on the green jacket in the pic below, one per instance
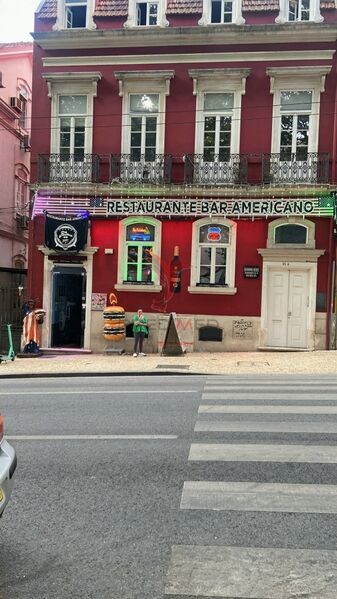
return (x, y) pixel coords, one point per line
(140, 328)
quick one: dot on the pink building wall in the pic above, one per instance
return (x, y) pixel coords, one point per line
(16, 71)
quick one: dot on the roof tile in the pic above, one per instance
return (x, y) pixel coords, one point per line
(117, 8)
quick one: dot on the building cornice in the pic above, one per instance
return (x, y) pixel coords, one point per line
(178, 36)
(125, 77)
(282, 254)
(188, 58)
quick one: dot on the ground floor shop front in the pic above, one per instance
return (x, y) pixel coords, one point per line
(236, 281)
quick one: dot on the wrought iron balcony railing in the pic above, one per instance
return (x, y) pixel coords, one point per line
(124, 168)
(218, 172)
(72, 168)
(278, 169)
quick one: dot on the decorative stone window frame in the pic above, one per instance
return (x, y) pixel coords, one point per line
(292, 220)
(297, 79)
(132, 15)
(69, 84)
(231, 257)
(218, 80)
(315, 12)
(156, 286)
(237, 18)
(143, 82)
(61, 16)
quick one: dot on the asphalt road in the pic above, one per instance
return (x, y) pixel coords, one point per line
(171, 487)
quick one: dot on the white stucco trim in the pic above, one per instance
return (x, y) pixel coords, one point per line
(71, 84)
(218, 80)
(184, 57)
(292, 220)
(230, 288)
(121, 286)
(297, 79)
(48, 266)
(131, 21)
(149, 82)
(237, 18)
(315, 12)
(61, 16)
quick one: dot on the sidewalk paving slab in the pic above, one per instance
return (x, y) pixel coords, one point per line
(220, 363)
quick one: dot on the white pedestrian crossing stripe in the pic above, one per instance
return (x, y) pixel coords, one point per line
(267, 426)
(254, 395)
(254, 452)
(259, 497)
(263, 409)
(252, 572)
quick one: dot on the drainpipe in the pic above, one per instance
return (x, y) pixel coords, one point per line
(334, 137)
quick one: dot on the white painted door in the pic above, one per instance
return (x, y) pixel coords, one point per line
(287, 308)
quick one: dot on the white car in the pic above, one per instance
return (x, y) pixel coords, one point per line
(8, 463)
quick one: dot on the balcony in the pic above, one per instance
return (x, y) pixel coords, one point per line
(313, 169)
(192, 169)
(61, 168)
(125, 169)
(218, 172)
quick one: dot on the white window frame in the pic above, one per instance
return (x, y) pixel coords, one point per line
(218, 81)
(237, 18)
(297, 79)
(229, 288)
(21, 190)
(132, 20)
(143, 82)
(155, 287)
(69, 84)
(315, 12)
(291, 220)
(61, 20)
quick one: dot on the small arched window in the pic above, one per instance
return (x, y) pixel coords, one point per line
(291, 233)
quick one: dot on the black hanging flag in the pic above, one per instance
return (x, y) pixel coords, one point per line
(66, 233)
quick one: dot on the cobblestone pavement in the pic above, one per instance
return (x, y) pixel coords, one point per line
(324, 362)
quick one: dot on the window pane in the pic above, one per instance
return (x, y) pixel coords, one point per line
(132, 253)
(136, 140)
(135, 154)
(293, 101)
(290, 234)
(150, 154)
(209, 139)
(205, 275)
(220, 275)
(205, 255)
(131, 274)
(214, 234)
(209, 154)
(72, 104)
(220, 256)
(303, 121)
(151, 123)
(136, 124)
(285, 154)
(147, 273)
(226, 123)
(286, 138)
(216, 11)
(140, 232)
(144, 102)
(147, 254)
(218, 101)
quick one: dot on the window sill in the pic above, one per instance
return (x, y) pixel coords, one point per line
(142, 288)
(210, 290)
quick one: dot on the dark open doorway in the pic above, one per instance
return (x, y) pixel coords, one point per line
(68, 306)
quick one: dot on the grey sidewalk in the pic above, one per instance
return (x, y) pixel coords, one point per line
(324, 362)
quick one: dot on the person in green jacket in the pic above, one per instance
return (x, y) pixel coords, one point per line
(140, 329)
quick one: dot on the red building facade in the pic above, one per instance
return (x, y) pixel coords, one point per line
(196, 135)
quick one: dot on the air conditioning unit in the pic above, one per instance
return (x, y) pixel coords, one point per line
(25, 143)
(22, 221)
(16, 104)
